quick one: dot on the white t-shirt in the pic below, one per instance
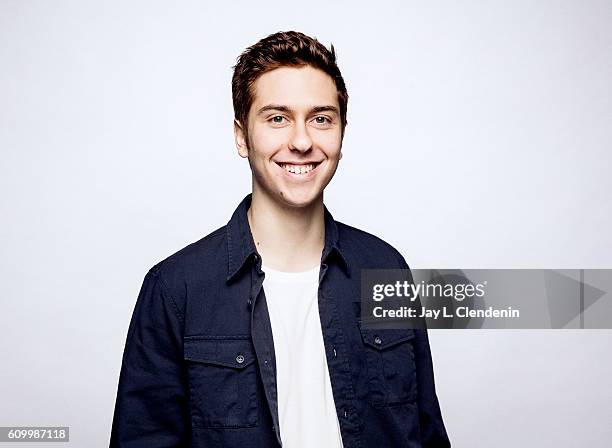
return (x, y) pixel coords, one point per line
(306, 409)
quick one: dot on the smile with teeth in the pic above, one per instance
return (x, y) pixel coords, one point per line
(298, 169)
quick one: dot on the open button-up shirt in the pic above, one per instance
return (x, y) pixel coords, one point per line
(198, 368)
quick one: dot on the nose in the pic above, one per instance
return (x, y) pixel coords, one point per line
(300, 139)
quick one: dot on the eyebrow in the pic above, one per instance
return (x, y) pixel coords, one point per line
(281, 108)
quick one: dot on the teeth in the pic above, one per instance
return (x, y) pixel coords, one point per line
(298, 169)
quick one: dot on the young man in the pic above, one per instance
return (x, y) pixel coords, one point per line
(251, 337)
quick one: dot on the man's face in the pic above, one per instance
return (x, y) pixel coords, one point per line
(294, 134)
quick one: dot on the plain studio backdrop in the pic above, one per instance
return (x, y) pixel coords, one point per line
(479, 136)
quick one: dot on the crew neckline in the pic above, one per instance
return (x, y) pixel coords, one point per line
(290, 275)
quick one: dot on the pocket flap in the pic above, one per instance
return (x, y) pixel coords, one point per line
(226, 352)
(382, 339)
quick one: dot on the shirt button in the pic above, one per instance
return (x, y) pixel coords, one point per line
(377, 340)
(239, 359)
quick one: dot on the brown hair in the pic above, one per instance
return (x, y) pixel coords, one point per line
(288, 48)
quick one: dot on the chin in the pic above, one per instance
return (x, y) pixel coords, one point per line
(298, 199)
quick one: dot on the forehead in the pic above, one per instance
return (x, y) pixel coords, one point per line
(295, 86)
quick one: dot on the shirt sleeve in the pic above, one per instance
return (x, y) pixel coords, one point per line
(433, 432)
(151, 408)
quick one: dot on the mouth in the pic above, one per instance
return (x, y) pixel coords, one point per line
(299, 170)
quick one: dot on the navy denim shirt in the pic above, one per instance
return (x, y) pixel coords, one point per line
(199, 368)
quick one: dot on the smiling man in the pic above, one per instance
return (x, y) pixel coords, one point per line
(250, 337)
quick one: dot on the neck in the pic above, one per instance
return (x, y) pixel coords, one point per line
(289, 239)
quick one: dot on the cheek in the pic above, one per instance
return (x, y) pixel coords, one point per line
(330, 143)
(266, 141)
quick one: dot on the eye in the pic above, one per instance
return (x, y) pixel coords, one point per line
(322, 119)
(277, 119)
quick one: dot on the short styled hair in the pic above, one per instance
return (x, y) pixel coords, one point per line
(282, 49)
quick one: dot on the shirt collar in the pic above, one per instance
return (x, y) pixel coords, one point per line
(241, 247)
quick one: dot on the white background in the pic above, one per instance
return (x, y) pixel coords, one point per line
(479, 136)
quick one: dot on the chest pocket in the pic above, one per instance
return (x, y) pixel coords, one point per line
(390, 363)
(222, 381)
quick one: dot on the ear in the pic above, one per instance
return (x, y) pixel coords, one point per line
(340, 156)
(240, 138)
